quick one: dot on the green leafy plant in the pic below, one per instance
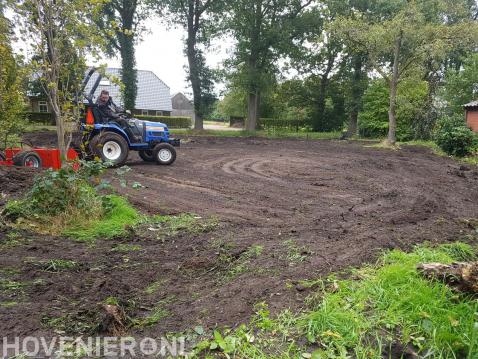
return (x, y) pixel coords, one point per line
(57, 265)
(66, 202)
(453, 137)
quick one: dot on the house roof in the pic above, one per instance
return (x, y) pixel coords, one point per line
(153, 93)
(471, 104)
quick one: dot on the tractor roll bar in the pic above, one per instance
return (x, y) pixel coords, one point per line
(84, 83)
(89, 97)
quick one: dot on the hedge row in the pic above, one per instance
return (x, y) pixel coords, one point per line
(171, 121)
(271, 123)
(44, 118)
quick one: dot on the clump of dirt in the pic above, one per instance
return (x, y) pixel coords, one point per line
(14, 181)
(41, 139)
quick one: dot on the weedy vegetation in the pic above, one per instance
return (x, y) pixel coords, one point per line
(376, 308)
(67, 202)
(186, 223)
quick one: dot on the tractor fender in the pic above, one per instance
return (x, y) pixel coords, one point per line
(99, 129)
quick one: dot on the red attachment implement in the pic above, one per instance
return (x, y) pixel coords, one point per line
(36, 157)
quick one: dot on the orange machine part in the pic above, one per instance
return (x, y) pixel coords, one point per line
(90, 119)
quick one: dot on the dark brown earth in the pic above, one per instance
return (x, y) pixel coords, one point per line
(312, 206)
(14, 181)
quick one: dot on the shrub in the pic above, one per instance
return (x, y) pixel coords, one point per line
(43, 118)
(65, 202)
(170, 121)
(58, 197)
(453, 137)
(373, 119)
(271, 123)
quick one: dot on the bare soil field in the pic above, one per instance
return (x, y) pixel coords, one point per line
(288, 210)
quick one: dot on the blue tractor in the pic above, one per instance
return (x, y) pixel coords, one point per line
(110, 141)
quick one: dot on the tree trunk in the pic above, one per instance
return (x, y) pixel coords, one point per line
(195, 81)
(128, 71)
(52, 74)
(324, 82)
(392, 116)
(357, 93)
(254, 82)
(60, 123)
(319, 120)
(253, 103)
(193, 25)
(461, 276)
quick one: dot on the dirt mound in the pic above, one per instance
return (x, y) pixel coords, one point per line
(14, 181)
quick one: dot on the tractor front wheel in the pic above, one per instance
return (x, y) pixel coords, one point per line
(111, 147)
(164, 154)
(27, 159)
(146, 155)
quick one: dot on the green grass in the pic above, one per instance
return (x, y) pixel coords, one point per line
(9, 304)
(234, 267)
(264, 134)
(155, 315)
(125, 248)
(154, 287)
(56, 265)
(295, 253)
(39, 128)
(362, 315)
(183, 223)
(9, 285)
(114, 224)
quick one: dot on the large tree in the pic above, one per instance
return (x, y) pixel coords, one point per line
(260, 28)
(399, 39)
(121, 22)
(60, 36)
(11, 95)
(199, 19)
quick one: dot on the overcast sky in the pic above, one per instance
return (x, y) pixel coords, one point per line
(161, 51)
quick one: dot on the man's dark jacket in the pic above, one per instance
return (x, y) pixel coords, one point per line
(108, 110)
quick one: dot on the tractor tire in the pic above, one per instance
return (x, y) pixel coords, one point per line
(27, 159)
(110, 147)
(164, 154)
(147, 155)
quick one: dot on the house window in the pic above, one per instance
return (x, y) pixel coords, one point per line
(144, 112)
(159, 113)
(42, 106)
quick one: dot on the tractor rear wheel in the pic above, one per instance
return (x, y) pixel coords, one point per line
(164, 154)
(27, 159)
(147, 155)
(110, 147)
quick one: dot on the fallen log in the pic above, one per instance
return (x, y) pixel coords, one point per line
(461, 276)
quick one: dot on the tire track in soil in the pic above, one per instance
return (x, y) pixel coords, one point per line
(341, 202)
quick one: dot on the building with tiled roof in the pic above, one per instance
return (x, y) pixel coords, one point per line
(153, 98)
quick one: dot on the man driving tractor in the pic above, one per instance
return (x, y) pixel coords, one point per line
(110, 112)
